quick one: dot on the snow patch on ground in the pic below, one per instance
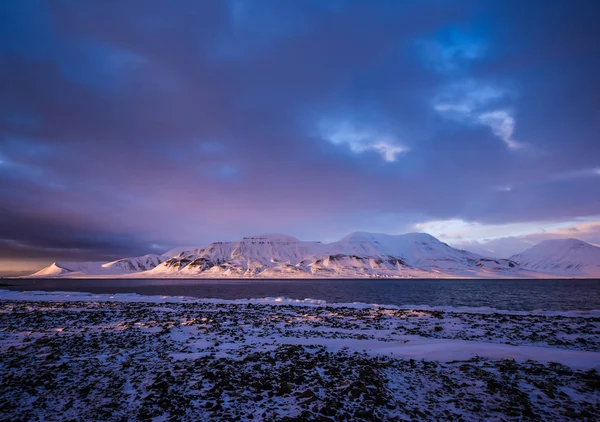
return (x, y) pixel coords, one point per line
(87, 356)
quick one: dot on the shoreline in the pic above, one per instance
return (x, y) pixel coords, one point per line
(71, 296)
(163, 357)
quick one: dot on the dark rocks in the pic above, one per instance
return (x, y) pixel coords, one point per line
(182, 363)
(363, 413)
(253, 357)
(306, 394)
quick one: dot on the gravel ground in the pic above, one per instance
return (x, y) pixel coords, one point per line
(225, 361)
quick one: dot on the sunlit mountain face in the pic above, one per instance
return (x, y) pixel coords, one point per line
(131, 128)
(358, 255)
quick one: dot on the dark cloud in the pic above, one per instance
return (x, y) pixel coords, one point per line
(30, 235)
(126, 124)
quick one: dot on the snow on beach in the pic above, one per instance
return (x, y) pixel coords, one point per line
(80, 355)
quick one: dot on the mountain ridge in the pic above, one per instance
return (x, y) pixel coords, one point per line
(568, 256)
(357, 255)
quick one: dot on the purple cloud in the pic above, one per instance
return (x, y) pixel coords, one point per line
(132, 124)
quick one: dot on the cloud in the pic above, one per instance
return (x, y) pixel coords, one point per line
(157, 136)
(576, 174)
(477, 103)
(588, 231)
(503, 247)
(466, 97)
(468, 100)
(457, 229)
(504, 240)
(362, 139)
(36, 235)
(100, 66)
(452, 50)
(502, 125)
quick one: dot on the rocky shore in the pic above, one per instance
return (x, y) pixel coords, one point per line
(85, 359)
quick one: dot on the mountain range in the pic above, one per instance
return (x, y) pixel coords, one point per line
(358, 255)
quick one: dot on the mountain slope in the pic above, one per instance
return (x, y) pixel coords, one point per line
(415, 249)
(69, 269)
(136, 264)
(568, 257)
(119, 267)
(247, 257)
(52, 270)
(357, 255)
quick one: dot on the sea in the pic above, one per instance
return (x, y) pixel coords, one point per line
(524, 295)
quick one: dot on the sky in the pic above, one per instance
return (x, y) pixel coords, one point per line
(131, 127)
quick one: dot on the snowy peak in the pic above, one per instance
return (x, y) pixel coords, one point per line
(377, 238)
(570, 244)
(114, 268)
(379, 243)
(52, 270)
(247, 257)
(136, 264)
(271, 238)
(568, 257)
(68, 269)
(416, 249)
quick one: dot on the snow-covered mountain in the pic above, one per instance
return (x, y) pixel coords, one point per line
(568, 257)
(502, 247)
(67, 269)
(114, 268)
(355, 256)
(136, 264)
(281, 256)
(250, 256)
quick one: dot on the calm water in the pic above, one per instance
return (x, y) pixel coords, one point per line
(501, 294)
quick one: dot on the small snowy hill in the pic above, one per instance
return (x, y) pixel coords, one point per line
(69, 269)
(114, 268)
(567, 257)
(52, 270)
